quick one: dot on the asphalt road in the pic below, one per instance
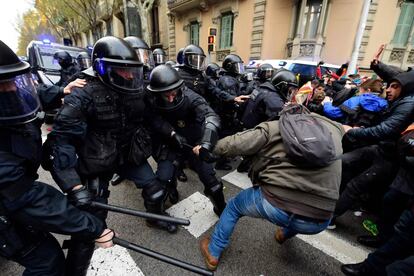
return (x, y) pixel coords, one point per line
(253, 250)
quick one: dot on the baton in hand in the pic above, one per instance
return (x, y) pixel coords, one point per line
(140, 214)
(161, 257)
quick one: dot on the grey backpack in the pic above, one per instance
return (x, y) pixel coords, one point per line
(308, 143)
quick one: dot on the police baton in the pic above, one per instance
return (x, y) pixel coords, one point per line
(140, 214)
(161, 257)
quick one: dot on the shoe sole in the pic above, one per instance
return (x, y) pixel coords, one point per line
(209, 266)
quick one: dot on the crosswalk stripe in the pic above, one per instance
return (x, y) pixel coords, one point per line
(114, 261)
(198, 209)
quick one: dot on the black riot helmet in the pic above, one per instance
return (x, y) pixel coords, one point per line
(265, 72)
(84, 60)
(284, 81)
(143, 51)
(160, 56)
(213, 70)
(117, 65)
(233, 64)
(167, 88)
(63, 58)
(194, 57)
(171, 63)
(19, 102)
(180, 57)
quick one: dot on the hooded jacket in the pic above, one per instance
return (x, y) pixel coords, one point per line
(308, 192)
(397, 118)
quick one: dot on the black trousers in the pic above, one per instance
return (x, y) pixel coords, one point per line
(364, 171)
(45, 259)
(399, 247)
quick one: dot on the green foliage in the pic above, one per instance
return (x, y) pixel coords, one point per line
(31, 26)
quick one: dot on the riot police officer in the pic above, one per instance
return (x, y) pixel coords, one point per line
(264, 73)
(160, 56)
(30, 209)
(191, 70)
(231, 99)
(68, 67)
(100, 131)
(84, 60)
(180, 56)
(144, 54)
(268, 99)
(191, 121)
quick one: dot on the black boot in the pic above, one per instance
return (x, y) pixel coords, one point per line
(173, 195)
(154, 196)
(359, 269)
(116, 179)
(371, 241)
(223, 164)
(244, 165)
(216, 196)
(79, 257)
(181, 175)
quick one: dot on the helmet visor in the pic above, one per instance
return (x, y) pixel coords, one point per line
(267, 73)
(169, 100)
(19, 102)
(195, 61)
(145, 56)
(160, 59)
(84, 63)
(238, 68)
(125, 79)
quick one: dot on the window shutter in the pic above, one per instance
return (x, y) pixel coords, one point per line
(404, 25)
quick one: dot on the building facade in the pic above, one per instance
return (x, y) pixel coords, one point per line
(295, 29)
(126, 19)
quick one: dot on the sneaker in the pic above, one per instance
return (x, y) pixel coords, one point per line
(279, 236)
(211, 261)
(332, 225)
(370, 226)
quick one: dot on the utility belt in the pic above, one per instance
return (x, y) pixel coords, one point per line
(17, 188)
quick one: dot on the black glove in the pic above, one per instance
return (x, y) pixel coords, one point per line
(80, 197)
(178, 140)
(207, 156)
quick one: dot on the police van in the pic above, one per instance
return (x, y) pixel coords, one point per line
(44, 67)
(305, 70)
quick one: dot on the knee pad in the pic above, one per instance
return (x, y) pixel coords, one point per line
(154, 192)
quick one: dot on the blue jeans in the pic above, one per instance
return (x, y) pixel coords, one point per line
(252, 203)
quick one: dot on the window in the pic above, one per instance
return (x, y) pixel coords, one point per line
(303, 69)
(194, 33)
(226, 30)
(311, 18)
(155, 26)
(404, 25)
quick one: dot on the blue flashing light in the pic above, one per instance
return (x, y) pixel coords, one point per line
(46, 41)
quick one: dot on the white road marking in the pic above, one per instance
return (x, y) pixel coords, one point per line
(329, 243)
(198, 209)
(240, 180)
(336, 247)
(114, 261)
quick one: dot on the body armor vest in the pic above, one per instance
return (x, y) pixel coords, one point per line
(254, 113)
(193, 80)
(24, 142)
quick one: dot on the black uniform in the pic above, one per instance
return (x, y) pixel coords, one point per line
(264, 104)
(100, 131)
(190, 117)
(30, 209)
